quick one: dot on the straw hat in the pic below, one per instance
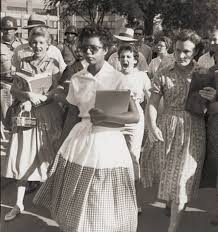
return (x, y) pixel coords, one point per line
(126, 34)
(35, 21)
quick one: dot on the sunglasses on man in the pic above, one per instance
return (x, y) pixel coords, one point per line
(71, 33)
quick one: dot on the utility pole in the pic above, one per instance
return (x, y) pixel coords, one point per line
(58, 22)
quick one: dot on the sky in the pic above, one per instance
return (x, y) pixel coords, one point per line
(22, 3)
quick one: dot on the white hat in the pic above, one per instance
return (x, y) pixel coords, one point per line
(126, 34)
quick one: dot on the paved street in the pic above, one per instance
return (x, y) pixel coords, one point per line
(153, 219)
(34, 219)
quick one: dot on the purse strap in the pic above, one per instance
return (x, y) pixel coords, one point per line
(23, 111)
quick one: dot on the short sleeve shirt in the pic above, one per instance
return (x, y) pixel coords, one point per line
(25, 50)
(83, 87)
(138, 83)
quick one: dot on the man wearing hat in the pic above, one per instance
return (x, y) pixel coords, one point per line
(69, 46)
(126, 36)
(9, 42)
(25, 50)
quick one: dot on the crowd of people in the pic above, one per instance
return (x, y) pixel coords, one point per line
(90, 173)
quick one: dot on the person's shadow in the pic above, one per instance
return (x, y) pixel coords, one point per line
(27, 222)
(32, 219)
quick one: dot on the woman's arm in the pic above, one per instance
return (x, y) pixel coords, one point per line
(22, 96)
(147, 87)
(132, 116)
(151, 117)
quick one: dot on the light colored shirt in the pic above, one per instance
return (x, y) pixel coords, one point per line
(25, 50)
(114, 61)
(83, 87)
(139, 84)
(153, 66)
(206, 60)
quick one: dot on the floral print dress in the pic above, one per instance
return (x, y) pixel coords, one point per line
(175, 164)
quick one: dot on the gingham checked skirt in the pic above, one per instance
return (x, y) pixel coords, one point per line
(91, 183)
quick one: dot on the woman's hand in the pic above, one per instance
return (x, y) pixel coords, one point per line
(155, 134)
(36, 98)
(208, 93)
(26, 106)
(97, 116)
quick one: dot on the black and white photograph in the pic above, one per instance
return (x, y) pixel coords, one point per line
(109, 116)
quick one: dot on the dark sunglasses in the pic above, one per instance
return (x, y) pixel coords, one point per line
(71, 33)
(94, 49)
(137, 34)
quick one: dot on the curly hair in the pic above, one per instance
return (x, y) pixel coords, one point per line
(132, 48)
(95, 30)
(188, 34)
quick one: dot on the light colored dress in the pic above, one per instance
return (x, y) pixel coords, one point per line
(31, 150)
(91, 184)
(139, 84)
(175, 164)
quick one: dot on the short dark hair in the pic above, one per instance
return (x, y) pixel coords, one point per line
(95, 30)
(132, 48)
(140, 27)
(213, 30)
(164, 39)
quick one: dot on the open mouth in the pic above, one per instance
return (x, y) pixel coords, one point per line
(125, 65)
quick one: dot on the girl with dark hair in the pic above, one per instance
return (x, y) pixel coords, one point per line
(91, 183)
(139, 84)
(174, 153)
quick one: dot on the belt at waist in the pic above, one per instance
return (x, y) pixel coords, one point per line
(99, 128)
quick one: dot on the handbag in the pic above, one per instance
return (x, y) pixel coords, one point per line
(24, 121)
(195, 103)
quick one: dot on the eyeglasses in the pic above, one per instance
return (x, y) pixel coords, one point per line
(137, 34)
(94, 49)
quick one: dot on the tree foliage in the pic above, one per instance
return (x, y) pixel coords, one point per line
(195, 14)
(90, 10)
(199, 15)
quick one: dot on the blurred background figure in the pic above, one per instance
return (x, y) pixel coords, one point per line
(9, 42)
(207, 60)
(162, 44)
(69, 46)
(145, 49)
